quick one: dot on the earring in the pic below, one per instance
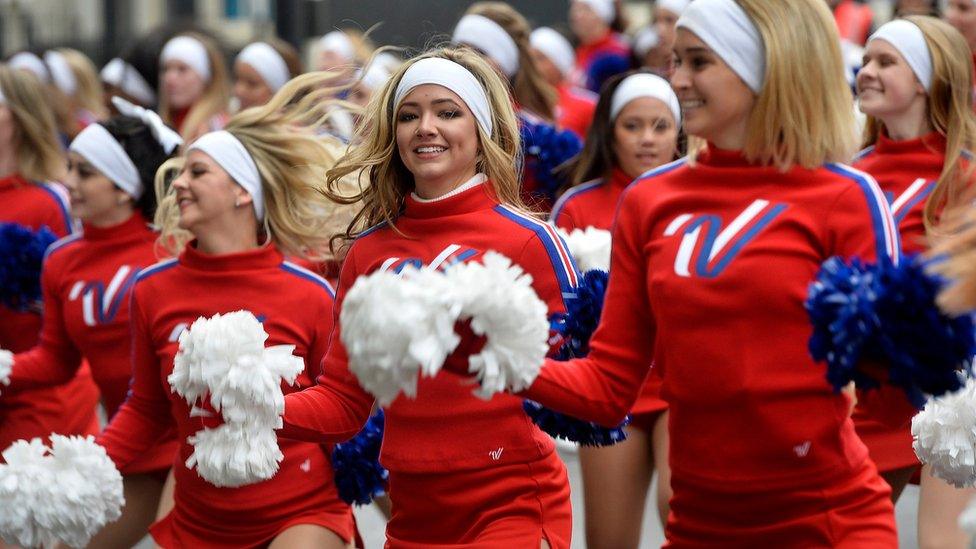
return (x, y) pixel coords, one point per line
(237, 202)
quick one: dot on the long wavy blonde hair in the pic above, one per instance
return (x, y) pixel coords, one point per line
(950, 108)
(377, 159)
(803, 114)
(292, 157)
(39, 156)
(90, 94)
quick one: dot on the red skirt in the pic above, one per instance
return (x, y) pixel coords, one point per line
(507, 506)
(68, 409)
(852, 513)
(889, 447)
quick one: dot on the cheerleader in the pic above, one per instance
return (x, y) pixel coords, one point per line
(261, 69)
(246, 196)
(74, 74)
(636, 130)
(554, 58)
(712, 256)
(30, 157)
(501, 34)
(914, 88)
(652, 52)
(371, 78)
(122, 79)
(195, 88)
(961, 14)
(86, 281)
(602, 52)
(440, 155)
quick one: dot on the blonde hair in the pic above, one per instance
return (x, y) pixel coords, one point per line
(378, 159)
(216, 93)
(949, 106)
(89, 94)
(38, 150)
(803, 115)
(282, 138)
(529, 86)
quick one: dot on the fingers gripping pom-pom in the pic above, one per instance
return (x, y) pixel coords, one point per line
(590, 248)
(6, 366)
(944, 436)
(498, 298)
(395, 328)
(21, 256)
(358, 474)
(65, 493)
(887, 313)
(222, 361)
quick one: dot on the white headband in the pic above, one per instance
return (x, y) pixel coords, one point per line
(674, 6)
(164, 135)
(446, 73)
(30, 62)
(230, 153)
(488, 36)
(374, 76)
(603, 8)
(732, 36)
(188, 50)
(554, 46)
(268, 63)
(644, 85)
(61, 73)
(908, 39)
(124, 76)
(98, 146)
(645, 40)
(337, 42)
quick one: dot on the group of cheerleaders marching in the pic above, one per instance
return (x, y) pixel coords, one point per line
(725, 189)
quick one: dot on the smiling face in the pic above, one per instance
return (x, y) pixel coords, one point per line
(715, 102)
(206, 194)
(94, 198)
(645, 136)
(249, 87)
(886, 85)
(437, 139)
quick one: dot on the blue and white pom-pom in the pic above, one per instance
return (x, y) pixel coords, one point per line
(887, 313)
(395, 328)
(944, 436)
(21, 256)
(65, 493)
(223, 361)
(549, 147)
(590, 247)
(359, 477)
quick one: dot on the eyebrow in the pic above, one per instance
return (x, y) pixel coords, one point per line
(434, 102)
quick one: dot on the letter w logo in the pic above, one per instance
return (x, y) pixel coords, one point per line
(98, 304)
(711, 259)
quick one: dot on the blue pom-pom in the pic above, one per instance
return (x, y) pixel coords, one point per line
(569, 428)
(576, 326)
(546, 147)
(21, 256)
(358, 473)
(887, 313)
(604, 67)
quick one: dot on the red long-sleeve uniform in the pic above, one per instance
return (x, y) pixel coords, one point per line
(594, 204)
(295, 307)
(709, 271)
(575, 108)
(70, 408)
(462, 470)
(906, 171)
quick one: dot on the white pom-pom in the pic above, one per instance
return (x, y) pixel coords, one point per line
(65, 496)
(396, 327)
(235, 454)
(499, 299)
(590, 248)
(944, 434)
(223, 359)
(6, 366)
